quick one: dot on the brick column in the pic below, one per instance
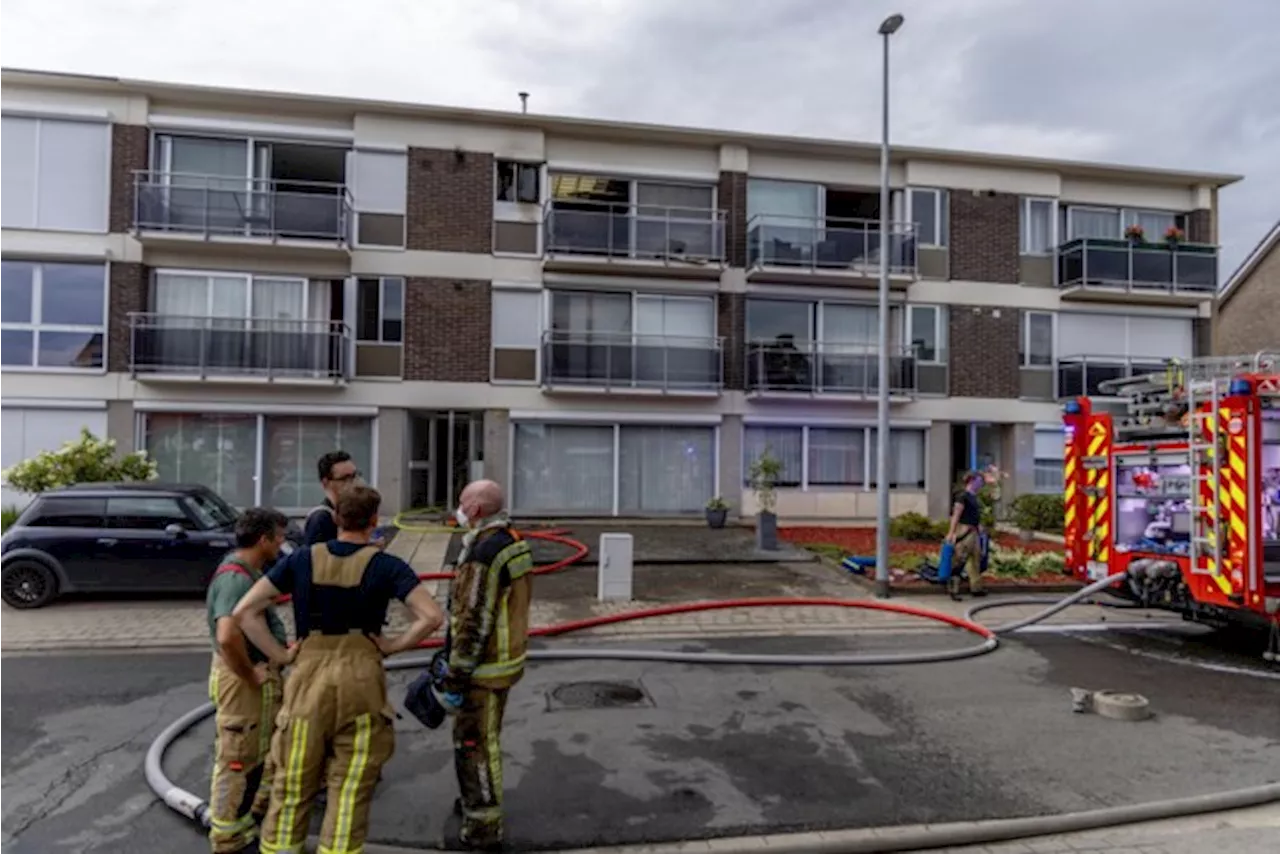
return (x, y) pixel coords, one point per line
(450, 200)
(129, 288)
(128, 154)
(447, 331)
(731, 323)
(984, 351)
(984, 236)
(732, 197)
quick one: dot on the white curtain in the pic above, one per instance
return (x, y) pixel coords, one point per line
(1154, 339)
(1154, 223)
(850, 324)
(1091, 334)
(785, 444)
(1049, 444)
(689, 318)
(836, 456)
(785, 203)
(665, 469)
(1038, 226)
(563, 467)
(181, 300)
(906, 457)
(1087, 222)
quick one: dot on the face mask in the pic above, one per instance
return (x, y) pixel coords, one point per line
(461, 518)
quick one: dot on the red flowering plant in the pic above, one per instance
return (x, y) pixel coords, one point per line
(1135, 233)
(1174, 235)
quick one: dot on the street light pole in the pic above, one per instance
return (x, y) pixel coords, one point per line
(889, 26)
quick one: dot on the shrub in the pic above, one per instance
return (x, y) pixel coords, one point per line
(764, 473)
(917, 527)
(717, 503)
(1047, 563)
(8, 516)
(1009, 563)
(84, 460)
(1038, 513)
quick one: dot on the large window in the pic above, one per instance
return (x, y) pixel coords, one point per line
(1039, 232)
(835, 456)
(517, 182)
(660, 469)
(380, 310)
(1082, 221)
(617, 217)
(927, 208)
(1037, 339)
(379, 188)
(1048, 459)
(221, 451)
(928, 333)
(56, 174)
(1096, 347)
(54, 315)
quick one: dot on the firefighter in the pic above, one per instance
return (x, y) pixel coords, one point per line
(484, 657)
(965, 533)
(243, 686)
(335, 715)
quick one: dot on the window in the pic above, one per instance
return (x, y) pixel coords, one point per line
(379, 189)
(1111, 223)
(665, 468)
(1038, 237)
(518, 182)
(928, 333)
(784, 203)
(68, 512)
(56, 174)
(1048, 460)
(516, 333)
(928, 210)
(563, 467)
(835, 456)
(146, 513)
(222, 452)
(54, 315)
(1037, 339)
(210, 510)
(380, 310)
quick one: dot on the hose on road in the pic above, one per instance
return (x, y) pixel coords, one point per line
(196, 808)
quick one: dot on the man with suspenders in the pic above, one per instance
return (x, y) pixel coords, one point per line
(243, 686)
(337, 470)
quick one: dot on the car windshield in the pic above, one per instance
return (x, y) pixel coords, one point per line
(212, 511)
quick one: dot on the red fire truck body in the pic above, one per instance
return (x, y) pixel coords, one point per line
(1179, 488)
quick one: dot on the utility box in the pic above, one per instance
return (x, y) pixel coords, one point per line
(616, 552)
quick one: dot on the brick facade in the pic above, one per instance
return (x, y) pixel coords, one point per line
(1200, 226)
(450, 200)
(732, 199)
(128, 154)
(129, 285)
(1246, 321)
(731, 324)
(984, 236)
(984, 351)
(447, 331)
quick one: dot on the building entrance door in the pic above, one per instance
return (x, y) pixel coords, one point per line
(446, 450)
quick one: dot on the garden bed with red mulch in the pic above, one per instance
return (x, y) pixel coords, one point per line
(905, 556)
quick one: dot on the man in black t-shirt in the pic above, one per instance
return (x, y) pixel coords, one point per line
(964, 534)
(337, 470)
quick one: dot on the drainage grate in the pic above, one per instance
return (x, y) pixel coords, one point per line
(597, 695)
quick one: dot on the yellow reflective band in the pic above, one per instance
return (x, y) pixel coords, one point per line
(268, 848)
(351, 783)
(504, 629)
(292, 787)
(1223, 584)
(494, 750)
(499, 669)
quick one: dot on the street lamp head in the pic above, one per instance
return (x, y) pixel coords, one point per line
(890, 25)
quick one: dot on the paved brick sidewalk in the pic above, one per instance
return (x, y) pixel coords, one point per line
(166, 624)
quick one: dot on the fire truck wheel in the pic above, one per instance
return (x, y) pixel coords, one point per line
(1121, 706)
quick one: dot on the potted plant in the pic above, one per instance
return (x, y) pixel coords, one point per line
(1135, 234)
(764, 474)
(1173, 236)
(717, 512)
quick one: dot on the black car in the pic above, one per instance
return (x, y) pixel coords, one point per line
(117, 537)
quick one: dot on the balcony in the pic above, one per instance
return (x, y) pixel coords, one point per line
(1082, 375)
(844, 251)
(623, 363)
(173, 207)
(1121, 271)
(838, 371)
(185, 349)
(599, 237)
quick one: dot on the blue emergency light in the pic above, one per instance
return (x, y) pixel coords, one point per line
(1240, 386)
(1071, 407)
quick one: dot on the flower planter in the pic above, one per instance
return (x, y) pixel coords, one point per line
(767, 531)
(717, 518)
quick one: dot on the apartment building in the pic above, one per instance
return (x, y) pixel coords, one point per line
(610, 318)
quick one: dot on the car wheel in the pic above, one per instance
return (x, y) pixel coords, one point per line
(28, 584)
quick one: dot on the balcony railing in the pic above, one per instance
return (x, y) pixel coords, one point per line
(640, 232)
(237, 347)
(1187, 268)
(829, 244)
(825, 368)
(1081, 375)
(210, 205)
(621, 361)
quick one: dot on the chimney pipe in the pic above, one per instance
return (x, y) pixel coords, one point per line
(524, 102)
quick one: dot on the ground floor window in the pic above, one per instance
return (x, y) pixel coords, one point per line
(1049, 447)
(835, 456)
(253, 459)
(622, 469)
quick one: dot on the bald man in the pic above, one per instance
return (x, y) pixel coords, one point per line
(485, 653)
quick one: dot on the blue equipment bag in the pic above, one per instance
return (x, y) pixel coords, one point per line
(944, 560)
(984, 551)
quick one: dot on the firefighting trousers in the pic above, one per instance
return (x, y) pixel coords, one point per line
(334, 732)
(242, 768)
(477, 758)
(967, 556)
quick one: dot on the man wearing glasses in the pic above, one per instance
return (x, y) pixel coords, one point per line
(337, 471)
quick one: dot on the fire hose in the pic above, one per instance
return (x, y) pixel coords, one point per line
(196, 808)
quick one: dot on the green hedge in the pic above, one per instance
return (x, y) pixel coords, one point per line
(917, 527)
(1038, 513)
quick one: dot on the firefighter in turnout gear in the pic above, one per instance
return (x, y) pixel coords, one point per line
(484, 657)
(244, 687)
(965, 533)
(335, 728)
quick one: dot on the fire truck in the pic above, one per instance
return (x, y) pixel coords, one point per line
(1174, 479)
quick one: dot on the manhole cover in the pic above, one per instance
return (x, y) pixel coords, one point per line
(597, 695)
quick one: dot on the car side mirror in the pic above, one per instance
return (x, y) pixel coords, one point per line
(176, 531)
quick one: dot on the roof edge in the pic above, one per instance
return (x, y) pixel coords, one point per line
(632, 130)
(1265, 246)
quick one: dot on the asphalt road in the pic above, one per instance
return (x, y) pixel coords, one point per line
(704, 752)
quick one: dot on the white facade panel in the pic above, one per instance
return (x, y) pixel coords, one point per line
(621, 159)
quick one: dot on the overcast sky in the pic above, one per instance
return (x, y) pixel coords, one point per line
(1179, 83)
